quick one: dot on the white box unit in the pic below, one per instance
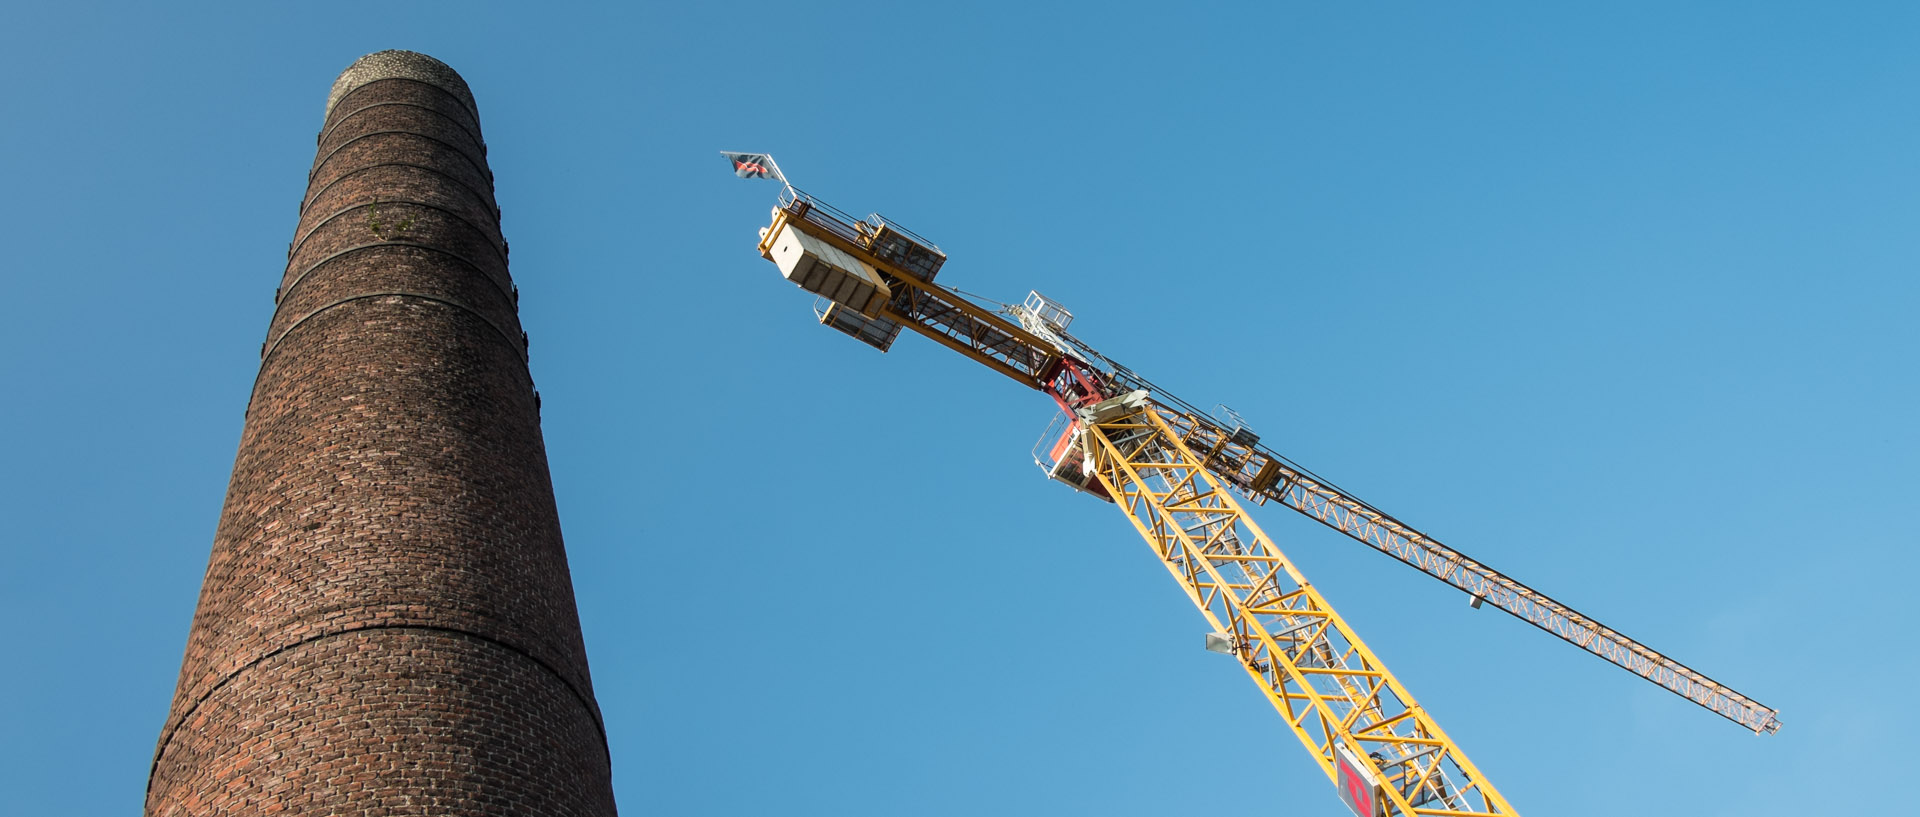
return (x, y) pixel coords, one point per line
(829, 271)
(876, 332)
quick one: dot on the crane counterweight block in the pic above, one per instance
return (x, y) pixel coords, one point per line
(828, 271)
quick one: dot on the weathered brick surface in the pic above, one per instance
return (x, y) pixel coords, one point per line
(387, 624)
(390, 721)
(346, 203)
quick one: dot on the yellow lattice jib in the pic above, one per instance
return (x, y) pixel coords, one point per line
(1354, 717)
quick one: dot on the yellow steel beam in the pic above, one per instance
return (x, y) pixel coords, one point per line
(1312, 667)
(1265, 478)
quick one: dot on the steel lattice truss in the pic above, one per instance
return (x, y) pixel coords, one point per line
(1331, 689)
(1266, 478)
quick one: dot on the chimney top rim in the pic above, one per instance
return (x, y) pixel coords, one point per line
(401, 64)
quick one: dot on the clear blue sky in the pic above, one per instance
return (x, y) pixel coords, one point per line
(1620, 301)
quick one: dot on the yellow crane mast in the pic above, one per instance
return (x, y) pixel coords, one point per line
(1176, 471)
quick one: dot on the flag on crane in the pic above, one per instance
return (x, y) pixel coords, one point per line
(753, 165)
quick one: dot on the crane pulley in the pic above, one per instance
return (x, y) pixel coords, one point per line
(1179, 473)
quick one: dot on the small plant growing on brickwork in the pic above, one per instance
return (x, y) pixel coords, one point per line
(383, 230)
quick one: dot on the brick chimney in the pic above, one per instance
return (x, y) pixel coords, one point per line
(387, 625)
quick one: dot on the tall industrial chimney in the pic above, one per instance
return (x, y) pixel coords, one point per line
(387, 625)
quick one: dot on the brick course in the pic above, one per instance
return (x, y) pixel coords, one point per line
(387, 624)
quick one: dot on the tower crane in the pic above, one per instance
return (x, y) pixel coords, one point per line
(1181, 475)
